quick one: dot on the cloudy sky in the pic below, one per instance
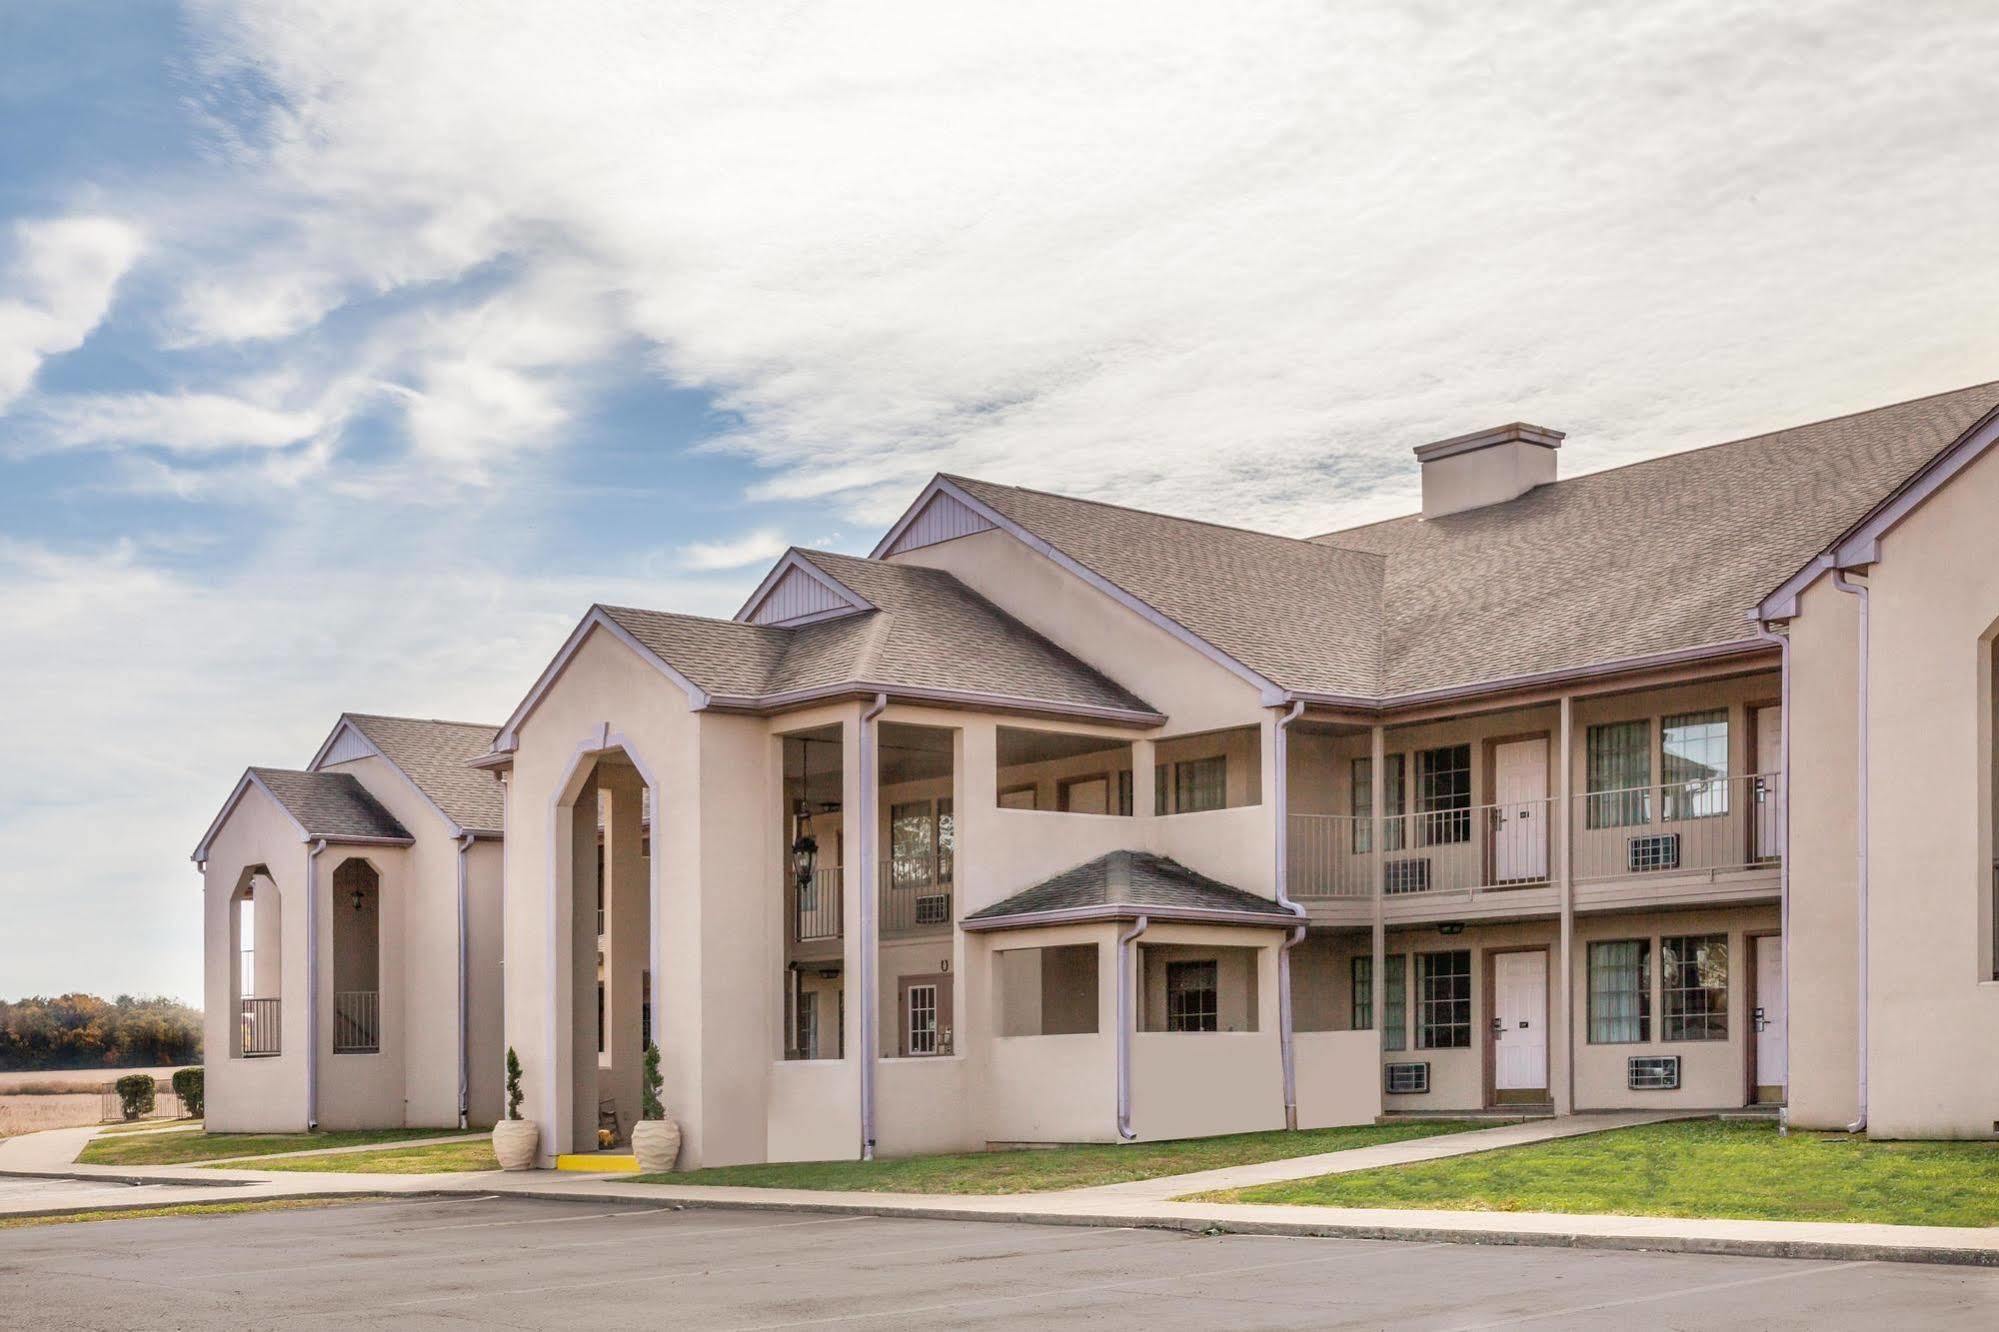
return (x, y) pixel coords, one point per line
(348, 351)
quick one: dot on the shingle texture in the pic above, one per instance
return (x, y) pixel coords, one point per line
(1661, 555)
(330, 804)
(434, 755)
(1302, 614)
(1136, 880)
(1656, 557)
(928, 631)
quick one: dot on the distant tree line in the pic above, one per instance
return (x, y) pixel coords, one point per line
(84, 1031)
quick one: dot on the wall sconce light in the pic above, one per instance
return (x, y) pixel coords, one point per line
(1451, 927)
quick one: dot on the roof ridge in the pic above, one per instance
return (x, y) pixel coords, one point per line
(1148, 513)
(427, 721)
(688, 615)
(1684, 453)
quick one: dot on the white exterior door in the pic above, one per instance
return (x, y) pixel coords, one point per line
(1520, 823)
(1771, 1027)
(1769, 810)
(1520, 1006)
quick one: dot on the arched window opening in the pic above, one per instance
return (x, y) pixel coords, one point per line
(256, 929)
(357, 936)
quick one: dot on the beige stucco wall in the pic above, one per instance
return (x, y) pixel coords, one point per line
(1934, 601)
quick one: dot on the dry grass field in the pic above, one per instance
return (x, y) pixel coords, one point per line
(33, 1101)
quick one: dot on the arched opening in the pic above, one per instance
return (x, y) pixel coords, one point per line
(357, 958)
(256, 936)
(604, 881)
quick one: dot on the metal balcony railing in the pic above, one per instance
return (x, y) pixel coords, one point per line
(816, 906)
(257, 1028)
(1707, 826)
(913, 905)
(357, 1021)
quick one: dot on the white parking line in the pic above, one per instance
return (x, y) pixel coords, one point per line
(1812, 1270)
(535, 1220)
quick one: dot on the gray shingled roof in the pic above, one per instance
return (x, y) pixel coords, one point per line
(331, 804)
(929, 631)
(1303, 615)
(1655, 557)
(1661, 555)
(1132, 883)
(434, 755)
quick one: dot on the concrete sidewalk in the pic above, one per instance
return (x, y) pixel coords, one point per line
(1078, 1207)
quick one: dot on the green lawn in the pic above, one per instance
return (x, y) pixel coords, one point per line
(151, 1126)
(1703, 1168)
(176, 1148)
(1057, 1167)
(437, 1159)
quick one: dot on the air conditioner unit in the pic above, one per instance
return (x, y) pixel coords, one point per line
(933, 909)
(1655, 851)
(1653, 1073)
(1405, 1079)
(1407, 876)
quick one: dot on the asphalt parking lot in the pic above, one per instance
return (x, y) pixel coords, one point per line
(498, 1262)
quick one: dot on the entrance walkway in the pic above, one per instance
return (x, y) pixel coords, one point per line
(1368, 1158)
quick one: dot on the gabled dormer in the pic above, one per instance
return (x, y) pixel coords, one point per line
(796, 592)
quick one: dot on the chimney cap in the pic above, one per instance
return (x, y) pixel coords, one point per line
(1518, 432)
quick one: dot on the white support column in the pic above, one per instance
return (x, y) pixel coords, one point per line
(1564, 1091)
(1378, 843)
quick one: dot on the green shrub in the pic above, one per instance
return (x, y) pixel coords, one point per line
(135, 1095)
(650, 1106)
(513, 1084)
(188, 1085)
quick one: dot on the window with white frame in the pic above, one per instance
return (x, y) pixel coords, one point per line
(922, 838)
(1394, 1034)
(1693, 765)
(1617, 763)
(1394, 774)
(1193, 996)
(1620, 991)
(1693, 978)
(1196, 785)
(1443, 795)
(920, 1018)
(1443, 1000)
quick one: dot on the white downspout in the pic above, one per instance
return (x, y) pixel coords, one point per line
(1839, 580)
(464, 987)
(312, 985)
(1125, 941)
(1783, 642)
(870, 1037)
(1286, 1052)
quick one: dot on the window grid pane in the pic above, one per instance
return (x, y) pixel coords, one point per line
(1443, 1000)
(1362, 993)
(1693, 765)
(1191, 997)
(911, 843)
(1619, 774)
(922, 1019)
(1395, 1035)
(1443, 795)
(1200, 784)
(1620, 992)
(1693, 975)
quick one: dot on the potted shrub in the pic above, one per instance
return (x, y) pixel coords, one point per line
(655, 1138)
(515, 1139)
(135, 1095)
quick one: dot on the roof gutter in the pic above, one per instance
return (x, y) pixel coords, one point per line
(767, 703)
(1125, 1131)
(1286, 1055)
(1840, 581)
(1109, 911)
(1783, 642)
(312, 984)
(870, 1035)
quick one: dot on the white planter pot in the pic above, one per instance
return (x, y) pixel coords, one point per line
(515, 1141)
(656, 1144)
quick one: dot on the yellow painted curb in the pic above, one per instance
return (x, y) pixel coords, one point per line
(596, 1162)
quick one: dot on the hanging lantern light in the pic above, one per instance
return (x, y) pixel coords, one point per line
(804, 847)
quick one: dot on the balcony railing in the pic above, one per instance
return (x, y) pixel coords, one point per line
(816, 906)
(1705, 826)
(257, 1028)
(357, 1021)
(1708, 826)
(911, 905)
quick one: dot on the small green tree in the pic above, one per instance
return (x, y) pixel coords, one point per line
(135, 1095)
(650, 1106)
(190, 1086)
(513, 1084)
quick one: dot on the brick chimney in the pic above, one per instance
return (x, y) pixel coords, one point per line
(1489, 467)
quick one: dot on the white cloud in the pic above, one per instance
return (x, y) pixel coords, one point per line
(56, 290)
(758, 547)
(180, 423)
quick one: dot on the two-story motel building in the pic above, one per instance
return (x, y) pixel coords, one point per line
(1055, 821)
